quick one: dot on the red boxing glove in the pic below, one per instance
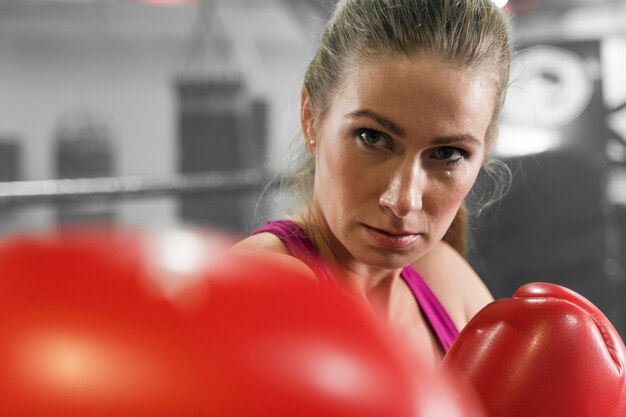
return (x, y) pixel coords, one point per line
(118, 322)
(546, 352)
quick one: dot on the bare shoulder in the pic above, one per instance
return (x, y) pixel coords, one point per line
(454, 282)
(270, 246)
(262, 241)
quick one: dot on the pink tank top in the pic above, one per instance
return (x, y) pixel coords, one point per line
(300, 246)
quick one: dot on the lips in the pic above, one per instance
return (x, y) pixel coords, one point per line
(391, 240)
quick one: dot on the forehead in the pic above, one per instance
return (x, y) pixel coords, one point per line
(418, 92)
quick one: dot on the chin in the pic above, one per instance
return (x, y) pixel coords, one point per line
(388, 259)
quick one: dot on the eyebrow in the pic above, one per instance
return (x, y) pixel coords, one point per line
(381, 120)
(449, 140)
(399, 131)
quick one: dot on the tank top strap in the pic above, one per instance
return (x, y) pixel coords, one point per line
(436, 316)
(299, 246)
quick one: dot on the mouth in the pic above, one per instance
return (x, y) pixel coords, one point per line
(392, 239)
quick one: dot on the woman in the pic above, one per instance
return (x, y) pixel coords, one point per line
(399, 111)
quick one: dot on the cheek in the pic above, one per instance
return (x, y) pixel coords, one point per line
(448, 193)
(337, 174)
(465, 182)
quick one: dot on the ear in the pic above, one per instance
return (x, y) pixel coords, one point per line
(307, 121)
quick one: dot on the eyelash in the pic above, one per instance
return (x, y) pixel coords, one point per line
(463, 154)
(380, 135)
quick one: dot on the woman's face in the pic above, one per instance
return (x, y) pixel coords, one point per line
(396, 153)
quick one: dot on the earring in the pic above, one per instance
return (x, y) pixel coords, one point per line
(312, 142)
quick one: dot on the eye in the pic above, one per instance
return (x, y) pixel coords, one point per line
(373, 138)
(450, 154)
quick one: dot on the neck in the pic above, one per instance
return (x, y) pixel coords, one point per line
(377, 286)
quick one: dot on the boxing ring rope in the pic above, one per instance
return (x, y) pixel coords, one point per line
(64, 190)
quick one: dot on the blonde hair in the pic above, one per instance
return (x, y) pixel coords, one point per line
(468, 33)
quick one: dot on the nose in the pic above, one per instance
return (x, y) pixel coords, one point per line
(404, 192)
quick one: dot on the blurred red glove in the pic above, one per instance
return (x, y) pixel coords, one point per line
(118, 322)
(546, 352)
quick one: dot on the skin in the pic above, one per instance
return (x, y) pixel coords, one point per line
(396, 152)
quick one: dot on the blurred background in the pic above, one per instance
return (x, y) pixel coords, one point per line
(179, 112)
